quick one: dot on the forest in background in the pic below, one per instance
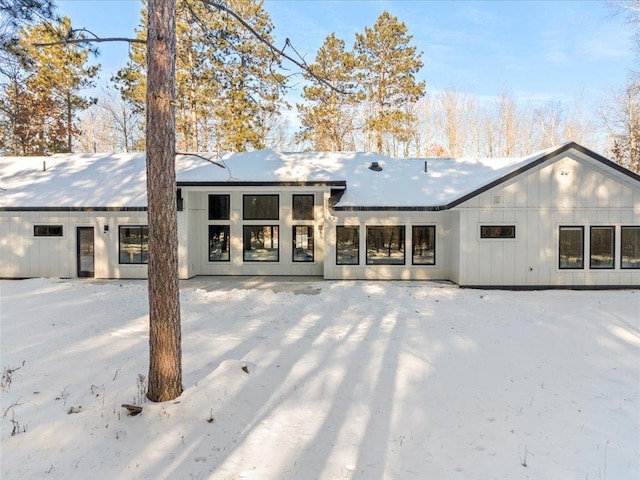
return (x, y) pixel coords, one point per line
(231, 95)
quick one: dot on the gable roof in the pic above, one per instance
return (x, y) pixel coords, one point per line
(118, 181)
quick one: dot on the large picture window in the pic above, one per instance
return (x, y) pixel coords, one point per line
(497, 231)
(630, 247)
(219, 243)
(347, 245)
(134, 244)
(602, 241)
(571, 248)
(303, 207)
(260, 243)
(385, 245)
(424, 245)
(260, 207)
(219, 207)
(303, 243)
(47, 230)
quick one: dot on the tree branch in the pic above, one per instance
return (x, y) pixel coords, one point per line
(203, 158)
(68, 39)
(303, 65)
(90, 40)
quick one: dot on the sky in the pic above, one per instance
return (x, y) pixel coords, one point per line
(538, 50)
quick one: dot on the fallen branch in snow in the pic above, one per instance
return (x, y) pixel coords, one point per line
(13, 405)
(133, 409)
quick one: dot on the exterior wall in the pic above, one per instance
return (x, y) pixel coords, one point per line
(25, 255)
(196, 211)
(574, 190)
(445, 249)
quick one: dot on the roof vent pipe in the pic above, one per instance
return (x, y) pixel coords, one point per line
(44, 166)
(426, 167)
(375, 166)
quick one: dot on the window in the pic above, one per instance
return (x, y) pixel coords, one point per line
(630, 246)
(134, 244)
(571, 247)
(260, 207)
(219, 207)
(385, 245)
(219, 243)
(47, 230)
(260, 243)
(303, 243)
(347, 245)
(303, 207)
(602, 241)
(497, 231)
(424, 245)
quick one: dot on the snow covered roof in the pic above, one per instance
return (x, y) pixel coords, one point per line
(119, 180)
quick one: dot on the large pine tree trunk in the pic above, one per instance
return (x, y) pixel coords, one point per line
(165, 363)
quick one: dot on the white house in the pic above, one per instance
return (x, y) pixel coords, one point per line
(565, 217)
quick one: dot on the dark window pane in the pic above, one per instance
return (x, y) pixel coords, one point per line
(260, 243)
(347, 245)
(424, 245)
(630, 257)
(47, 230)
(571, 247)
(602, 244)
(219, 207)
(219, 243)
(303, 244)
(303, 207)
(498, 231)
(385, 245)
(260, 207)
(134, 244)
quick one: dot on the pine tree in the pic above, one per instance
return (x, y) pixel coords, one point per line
(42, 100)
(327, 118)
(388, 65)
(251, 89)
(227, 89)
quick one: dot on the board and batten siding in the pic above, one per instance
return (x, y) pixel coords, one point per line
(570, 190)
(197, 224)
(445, 246)
(26, 256)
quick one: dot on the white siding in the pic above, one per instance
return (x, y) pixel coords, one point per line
(197, 210)
(570, 190)
(445, 246)
(25, 255)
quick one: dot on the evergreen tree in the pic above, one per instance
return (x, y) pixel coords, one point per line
(42, 96)
(226, 87)
(388, 65)
(327, 118)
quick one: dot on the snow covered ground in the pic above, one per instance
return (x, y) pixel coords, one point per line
(364, 380)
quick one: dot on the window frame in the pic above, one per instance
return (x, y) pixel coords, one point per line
(293, 206)
(246, 196)
(223, 226)
(569, 228)
(244, 238)
(49, 231)
(228, 205)
(622, 230)
(141, 262)
(485, 232)
(404, 244)
(612, 229)
(357, 257)
(413, 244)
(310, 235)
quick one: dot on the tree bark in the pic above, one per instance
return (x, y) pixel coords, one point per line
(165, 362)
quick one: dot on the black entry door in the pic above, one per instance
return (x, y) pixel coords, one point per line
(84, 251)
